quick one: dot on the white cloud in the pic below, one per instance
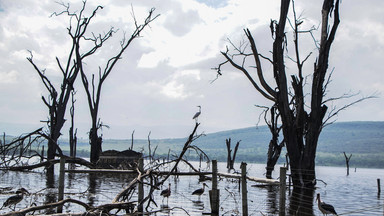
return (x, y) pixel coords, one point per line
(8, 77)
(166, 73)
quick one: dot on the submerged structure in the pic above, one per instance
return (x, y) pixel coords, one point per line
(124, 160)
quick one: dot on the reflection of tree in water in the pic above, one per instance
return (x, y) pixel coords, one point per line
(301, 201)
(50, 196)
(272, 204)
(92, 182)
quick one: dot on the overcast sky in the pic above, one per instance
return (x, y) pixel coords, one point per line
(162, 78)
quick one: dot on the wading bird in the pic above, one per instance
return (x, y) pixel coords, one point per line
(324, 207)
(197, 114)
(166, 192)
(13, 200)
(200, 191)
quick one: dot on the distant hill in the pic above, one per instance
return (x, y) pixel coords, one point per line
(364, 140)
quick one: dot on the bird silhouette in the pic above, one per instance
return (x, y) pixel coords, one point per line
(324, 207)
(166, 192)
(200, 191)
(196, 116)
(15, 199)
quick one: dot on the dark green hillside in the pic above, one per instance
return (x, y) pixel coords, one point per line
(362, 139)
(365, 140)
(355, 137)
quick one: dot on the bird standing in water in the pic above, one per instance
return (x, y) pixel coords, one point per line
(324, 207)
(13, 200)
(197, 114)
(200, 191)
(166, 192)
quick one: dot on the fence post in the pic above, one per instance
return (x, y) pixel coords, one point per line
(214, 194)
(244, 188)
(283, 178)
(61, 183)
(140, 196)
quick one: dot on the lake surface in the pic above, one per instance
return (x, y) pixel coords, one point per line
(356, 194)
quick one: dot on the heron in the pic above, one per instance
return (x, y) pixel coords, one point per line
(15, 199)
(197, 114)
(324, 207)
(200, 191)
(166, 192)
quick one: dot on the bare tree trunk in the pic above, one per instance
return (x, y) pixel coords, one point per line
(347, 161)
(228, 143)
(301, 129)
(231, 158)
(93, 90)
(274, 148)
(58, 99)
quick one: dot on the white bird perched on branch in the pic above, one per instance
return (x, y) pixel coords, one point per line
(324, 207)
(197, 114)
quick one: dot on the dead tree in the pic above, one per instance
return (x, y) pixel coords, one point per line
(347, 158)
(59, 95)
(151, 177)
(274, 147)
(72, 131)
(301, 125)
(93, 90)
(13, 153)
(231, 158)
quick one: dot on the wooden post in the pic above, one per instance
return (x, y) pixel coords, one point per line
(140, 196)
(378, 187)
(244, 188)
(214, 194)
(61, 184)
(283, 177)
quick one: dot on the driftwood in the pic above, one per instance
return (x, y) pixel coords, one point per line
(79, 161)
(98, 209)
(155, 178)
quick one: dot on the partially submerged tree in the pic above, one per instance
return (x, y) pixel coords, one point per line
(94, 91)
(231, 156)
(59, 94)
(347, 158)
(302, 123)
(275, 146)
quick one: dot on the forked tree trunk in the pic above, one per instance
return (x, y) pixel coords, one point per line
(301, 128)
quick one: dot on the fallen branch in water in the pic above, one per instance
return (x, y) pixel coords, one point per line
(106, 208)
(78, 161)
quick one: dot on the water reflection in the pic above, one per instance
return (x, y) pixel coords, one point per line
(272, 202)
(346, 194)
(50, 195)
(198, 204)
(92, 182)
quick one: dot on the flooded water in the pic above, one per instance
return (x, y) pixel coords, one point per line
(356, 194)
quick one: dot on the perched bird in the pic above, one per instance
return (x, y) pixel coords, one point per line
(166, 192)
(13, 200)
(324, 207)
(200, 191)
(197, 114)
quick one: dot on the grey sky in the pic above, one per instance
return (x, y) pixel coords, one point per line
(164, 75)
